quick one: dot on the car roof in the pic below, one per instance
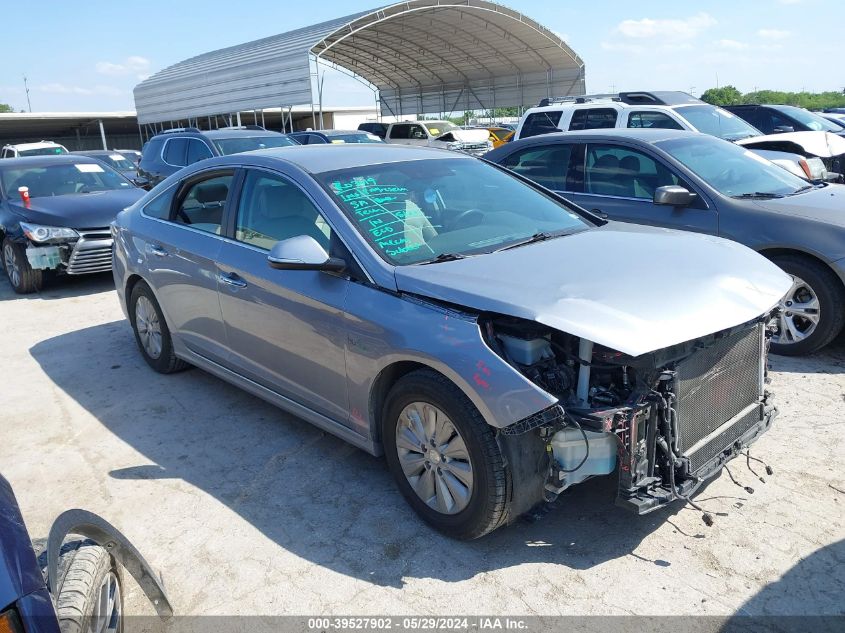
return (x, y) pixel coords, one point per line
(238, 133)
(322, 158)
(46, 161)
(92, 152)
(33, 145)
(648, 135)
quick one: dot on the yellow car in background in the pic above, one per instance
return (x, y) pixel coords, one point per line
(500, 135)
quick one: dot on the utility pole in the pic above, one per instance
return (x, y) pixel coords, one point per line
(26, 89)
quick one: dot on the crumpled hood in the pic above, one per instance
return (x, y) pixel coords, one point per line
(631, 288)
(821, 144)
(467, 136)
(80, 210)
(825, 204)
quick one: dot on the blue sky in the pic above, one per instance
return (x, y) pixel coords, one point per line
(88, 56)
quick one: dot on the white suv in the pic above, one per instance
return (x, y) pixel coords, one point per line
(442, 134)
(44, 148)
(799, 153)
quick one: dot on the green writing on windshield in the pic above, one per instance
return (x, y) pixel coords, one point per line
(382, 211)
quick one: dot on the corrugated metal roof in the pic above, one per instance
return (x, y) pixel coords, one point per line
(422, 55)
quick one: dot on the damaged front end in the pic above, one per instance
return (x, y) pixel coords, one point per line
(670, 419)
(66, 250)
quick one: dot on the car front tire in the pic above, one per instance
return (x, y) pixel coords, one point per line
(90, 596)
(444, 456)
(23, 278)
(812, 312)
(151, 332)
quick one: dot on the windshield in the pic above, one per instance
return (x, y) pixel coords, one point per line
(59, 180)
(43, 151)
(731, 169)
(436, 128)
(415, 211)
(810, 119)
(714, 121)
(249, 143)
(363, 137)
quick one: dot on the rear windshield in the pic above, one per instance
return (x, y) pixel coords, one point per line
(250, 143)
(59, 180)
(810, 119)
(43, 151)
(714, 121)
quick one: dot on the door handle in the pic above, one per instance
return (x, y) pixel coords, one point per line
(158, 251)
(600, 213)
(231, 279)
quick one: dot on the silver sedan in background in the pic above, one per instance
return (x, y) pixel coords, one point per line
(496, 343)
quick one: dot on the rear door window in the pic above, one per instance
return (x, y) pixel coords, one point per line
(175, 152)
(401, 131)
(653, 120)
(541, 123)
(197, 151)
(593, 119)
(547, 165)
(202, 206)
(613, 170)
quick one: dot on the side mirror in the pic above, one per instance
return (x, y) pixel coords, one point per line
(673, 195)
(141, 182)
(302, 253)
(781, 129)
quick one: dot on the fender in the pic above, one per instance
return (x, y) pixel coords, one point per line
(103, 533)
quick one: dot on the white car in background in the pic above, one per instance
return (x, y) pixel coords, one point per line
(42, 148)
(440, 134)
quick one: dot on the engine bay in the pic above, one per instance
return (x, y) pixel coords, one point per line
(669, 419)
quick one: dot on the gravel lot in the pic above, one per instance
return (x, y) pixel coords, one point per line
(247, 510)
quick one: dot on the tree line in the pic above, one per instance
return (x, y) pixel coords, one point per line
(729, 95)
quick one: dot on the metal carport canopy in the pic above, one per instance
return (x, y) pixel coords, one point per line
(423, 56)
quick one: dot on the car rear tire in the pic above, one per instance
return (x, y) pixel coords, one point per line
(444, 456)
(90, 596)
(812, 312)
(151, 331)
(23, 278)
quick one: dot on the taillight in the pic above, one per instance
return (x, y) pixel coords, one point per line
(10, 622)
(806, 167)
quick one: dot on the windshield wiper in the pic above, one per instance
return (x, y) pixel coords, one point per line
(542, 236)
(803, 189)
(444, 257)
(759, 194)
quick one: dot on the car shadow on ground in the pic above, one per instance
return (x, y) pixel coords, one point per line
(808, 597)
(61, 287)
(311, 493)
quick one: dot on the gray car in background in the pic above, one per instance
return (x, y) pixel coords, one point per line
(690, 181)
(497, 344)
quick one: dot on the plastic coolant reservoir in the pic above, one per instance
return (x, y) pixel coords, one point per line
(569, 448)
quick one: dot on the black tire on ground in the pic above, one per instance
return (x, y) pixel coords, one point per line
(829, 291)
(167, 362)
(489, 501)
(84, 568)
(29, 279)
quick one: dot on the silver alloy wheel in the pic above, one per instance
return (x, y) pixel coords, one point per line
(11, 265)
(434, 457)
(107, 609)
(799, 313)
(148, 327)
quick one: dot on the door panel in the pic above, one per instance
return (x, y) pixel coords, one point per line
(285, 328)
(181, 258)
(619, 184)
